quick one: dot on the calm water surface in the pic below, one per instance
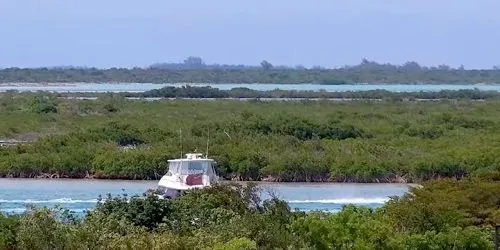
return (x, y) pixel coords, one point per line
(82, 195)
(141, 87)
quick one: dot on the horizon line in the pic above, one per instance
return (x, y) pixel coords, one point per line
(203, 65)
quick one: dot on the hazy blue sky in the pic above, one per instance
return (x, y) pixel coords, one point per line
(124, 33)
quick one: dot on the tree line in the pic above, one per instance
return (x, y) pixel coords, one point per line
(209, 92)
(193, 70)
(444, 214)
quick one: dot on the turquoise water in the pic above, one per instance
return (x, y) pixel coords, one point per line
(140, 87)
(82, 195)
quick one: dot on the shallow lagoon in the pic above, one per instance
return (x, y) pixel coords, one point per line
(81, 195)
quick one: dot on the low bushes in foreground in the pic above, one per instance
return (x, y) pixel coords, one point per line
(231, 216)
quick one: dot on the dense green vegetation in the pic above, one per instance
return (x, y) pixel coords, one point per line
(358, 141)
(441, 215)
(208, 92)
(197, 72)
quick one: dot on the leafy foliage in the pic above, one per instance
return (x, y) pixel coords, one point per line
(43, 104)
(231, 217)
(240, 92)
(445, 204)
(363, 141)
(9, 226)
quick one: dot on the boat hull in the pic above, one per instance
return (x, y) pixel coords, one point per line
(171, 189)
(188, 173)
(171, 193)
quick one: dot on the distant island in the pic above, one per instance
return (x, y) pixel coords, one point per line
(194, 70)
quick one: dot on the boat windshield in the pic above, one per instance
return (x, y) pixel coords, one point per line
(190, 167)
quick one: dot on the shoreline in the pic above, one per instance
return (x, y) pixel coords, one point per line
(411, 184)
(283, 99)
(262, 92)
(61, 84)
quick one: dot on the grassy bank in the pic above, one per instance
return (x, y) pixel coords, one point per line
(442, 215)
(358, 141)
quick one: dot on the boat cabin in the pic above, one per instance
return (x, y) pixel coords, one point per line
(194, 171)
(193, 164)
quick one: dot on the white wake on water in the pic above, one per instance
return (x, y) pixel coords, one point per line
(376, 200)
(19, 210)
(60, 200)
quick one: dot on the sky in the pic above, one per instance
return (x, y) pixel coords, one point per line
(330, 33)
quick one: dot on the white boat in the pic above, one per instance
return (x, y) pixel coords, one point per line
(191, 172)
